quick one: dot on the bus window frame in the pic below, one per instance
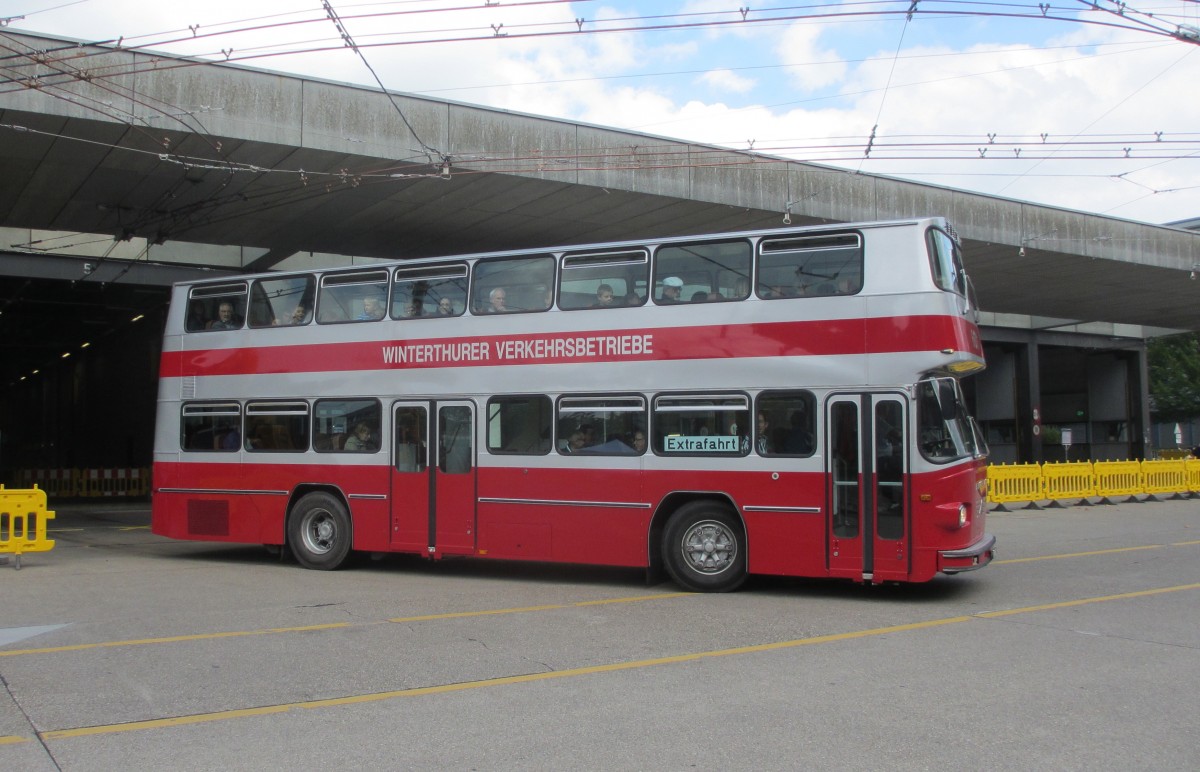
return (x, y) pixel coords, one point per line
(582, 261)
(822, 243)
(307, 294)
(364, 405)
(567, 404)
(356, 278)
(209, 298)
(428, 273)
(268, 408)
(810, 402)
(657, 438)
(688, 273)
(207, 408)
(496, 401)
(482, 283)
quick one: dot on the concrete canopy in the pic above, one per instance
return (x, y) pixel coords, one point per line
(114, 157)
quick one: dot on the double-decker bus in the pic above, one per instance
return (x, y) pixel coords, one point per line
(780, 402)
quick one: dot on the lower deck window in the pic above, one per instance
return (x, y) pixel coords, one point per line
(350, 425)
(277, 426)
(519, 425)
(702, 426)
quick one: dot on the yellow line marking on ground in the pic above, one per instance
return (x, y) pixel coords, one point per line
(547, 607)
(1077, 554)
(176, 639)
(360, 699)
(1085, 601)
(1185, 543)
(339, 625)
(224, 715)
(12, 740)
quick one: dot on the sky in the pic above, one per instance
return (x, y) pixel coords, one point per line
(1063, 103)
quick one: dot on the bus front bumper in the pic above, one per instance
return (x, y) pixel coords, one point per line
(974, 557)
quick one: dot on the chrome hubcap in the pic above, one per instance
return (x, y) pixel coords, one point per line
(709, 547)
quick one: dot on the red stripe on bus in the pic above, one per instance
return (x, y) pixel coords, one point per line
(884, 335)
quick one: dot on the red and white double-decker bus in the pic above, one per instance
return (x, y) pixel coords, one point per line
(772, 402)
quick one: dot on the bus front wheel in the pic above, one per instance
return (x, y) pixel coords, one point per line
(319, 532)
(705, 548)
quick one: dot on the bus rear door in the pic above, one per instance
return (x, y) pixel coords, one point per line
(433, 478)
(868, 525)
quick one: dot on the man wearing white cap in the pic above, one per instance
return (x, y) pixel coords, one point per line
(672, 286)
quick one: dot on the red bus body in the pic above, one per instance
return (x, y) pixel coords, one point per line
(888, 484)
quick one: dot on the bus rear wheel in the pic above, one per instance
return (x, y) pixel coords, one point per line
(705, 548)
(319, 532)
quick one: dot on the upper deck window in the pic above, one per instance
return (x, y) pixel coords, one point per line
(217, 307)
(810, 266)
(283, 302)
(699, 273)
(429, 291)
(358, 296)
(604, 280)
(510, 285)
(945, 261)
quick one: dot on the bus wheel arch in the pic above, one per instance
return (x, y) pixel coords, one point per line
(700, 538)
(320, 531)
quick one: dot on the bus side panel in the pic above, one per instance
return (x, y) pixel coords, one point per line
(194, 501)
(598, 516)
(563, 515)
(784, 543)
(935, 522)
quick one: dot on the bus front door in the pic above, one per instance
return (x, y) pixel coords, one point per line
(433, 478)
(868, 525)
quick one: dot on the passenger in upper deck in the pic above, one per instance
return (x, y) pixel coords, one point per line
(604, 297)
(496, 301)
(299, 315)
(672, 287)
(445, 307)
(372, 309)
(225, 319)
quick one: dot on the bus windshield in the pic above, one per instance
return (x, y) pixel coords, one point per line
(946, 430)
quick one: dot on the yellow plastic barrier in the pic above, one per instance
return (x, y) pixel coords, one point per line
(1016, 482)
(1118, 478)
(23, 517)
(1164, 476)
(1071, 480)
(54, 482)
(1193, 474)
(116, 482)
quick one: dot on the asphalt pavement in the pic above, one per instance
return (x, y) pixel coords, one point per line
(1078, 648)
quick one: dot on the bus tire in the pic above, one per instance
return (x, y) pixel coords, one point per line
(705, 548)
(320, 532)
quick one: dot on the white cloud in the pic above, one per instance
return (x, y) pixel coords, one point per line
(727, 80)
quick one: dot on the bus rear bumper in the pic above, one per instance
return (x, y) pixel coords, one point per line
(974, 557)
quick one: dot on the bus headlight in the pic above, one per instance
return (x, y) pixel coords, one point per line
(962, 515)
